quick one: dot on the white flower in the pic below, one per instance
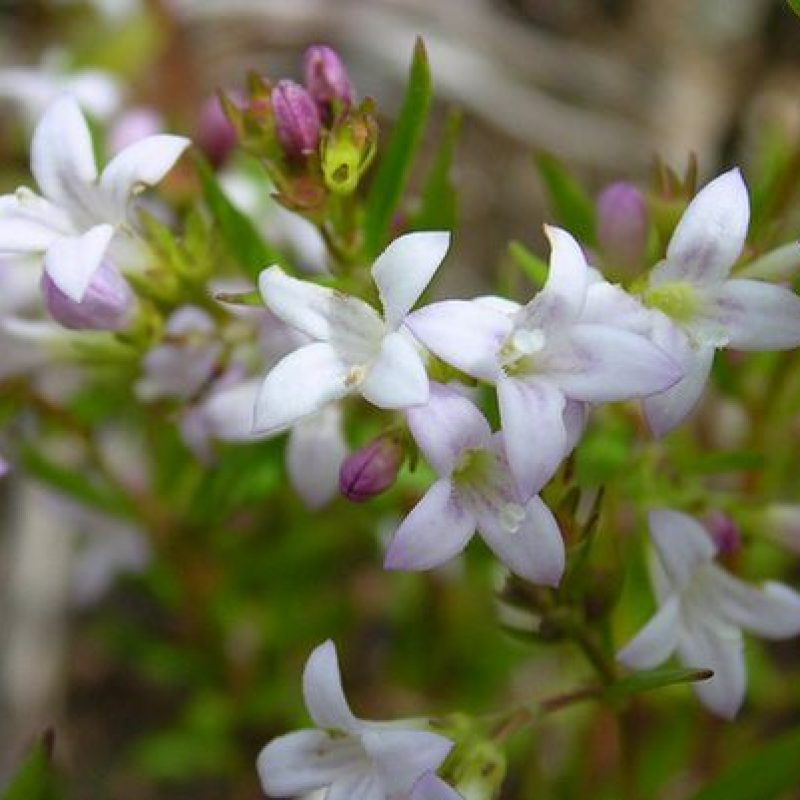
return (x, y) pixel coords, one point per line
(357, 759)
(74, 220)
(354, 348)
(710, 309)
(544, 358)
(703, 610)
(475, 490)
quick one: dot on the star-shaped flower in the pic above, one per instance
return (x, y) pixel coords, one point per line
(703, 610)
(357, 759)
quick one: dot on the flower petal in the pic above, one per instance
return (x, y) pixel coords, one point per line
(72, 261)
(758, 315)
(431, 787)
(314, 455)
(144, 163)
(405, 268)
(535, 551)
(445, 426)
(397, 379)
(323, 693)
(363, 785)
(533, 430)
(466, 334)
(437, 529)
(710, 234)
(682, 544)
(300, 762)
(29, 223)
(228, 413)
(667, 410)
(298, 385)
(657, 641)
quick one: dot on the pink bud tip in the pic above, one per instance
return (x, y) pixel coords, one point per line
(725, 533)
(622, 223)
(326, 77)
(216, 135)
(296, 117)
(371, 470)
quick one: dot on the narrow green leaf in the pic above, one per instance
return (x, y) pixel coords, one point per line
(395, 165)
(654, 679)
(769, 773)
(34, 780)
(795, 6)
(572, 207)
(535, 268)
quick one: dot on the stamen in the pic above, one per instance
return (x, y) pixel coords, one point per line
(512, 515)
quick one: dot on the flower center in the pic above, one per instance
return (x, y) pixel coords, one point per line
(678, 300)
(518, 353)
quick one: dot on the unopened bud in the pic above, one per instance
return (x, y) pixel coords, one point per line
(133, 126)
(622, 223)
(326, 78)
(106, 305)
(296, 118)
(725, 533)
(371, 470)
(216, 135)
(480, 771)
(348, 150)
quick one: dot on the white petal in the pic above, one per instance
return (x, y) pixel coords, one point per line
(363, 785)
(229, 413)
(298, 385)
(445, 426)
(397, 378)
(466, 334)
(142, 164)
(576, 416)
(300, 762)
(403, 756)
(502, 304)
(431, 787)
(533, 430)
(682, 544)
(600, 364)
(535, 551)
(723, 652)
(568, 277)
(772, 612)
(323, 693)
(62, 159)
(405, 268)
(758, 315)
(314, 455)
(657, 641)
(29, 224)
(437, 529)
(667, 410)
(71, 261)
(710, 235)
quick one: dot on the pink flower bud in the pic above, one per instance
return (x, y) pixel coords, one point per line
(326, 77)
(371, 470)
(133, 126)
(622, 223)
(296, 117)
(106, 306)
(216, 135)
(724, 532)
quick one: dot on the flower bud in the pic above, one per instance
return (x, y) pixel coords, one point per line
(106, 306)
(480, 771)
(724, 532)
(348, 149)
(216, 134)
(296, 118)
(326, 78)
(133, 126)
(622, 223)
(371, 470)
(782, 524)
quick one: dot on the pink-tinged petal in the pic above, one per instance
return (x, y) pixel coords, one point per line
(403, 756)
(405, 268)
(142, 164)
(352, 326)
(437, 529)
(682, 544)
(535, 550)
(397, 378)
(301, 762)
(576, 416)
(466, 334)
(62, 159)
(667, 410)
(72, 261)
(771, 611)
(533, 430)
(599, 363)
(710, 235)
(758, 315)
(609, 304)
(721, 651)
(323, 693)
(431, 787)
(298, 385)
(657, 641)
(445, 426)
(314, 454)
(363, 785)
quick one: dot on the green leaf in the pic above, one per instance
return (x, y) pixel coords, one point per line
(769, 773)
(239, 233)
(34, 780)
(439, 206)
(572, 207)
(535, 268)
(795, 6)
(395, 165)
(654, 679)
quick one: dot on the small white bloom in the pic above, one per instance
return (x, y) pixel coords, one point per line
(357, 759)
(354, 348)
(703, 610)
